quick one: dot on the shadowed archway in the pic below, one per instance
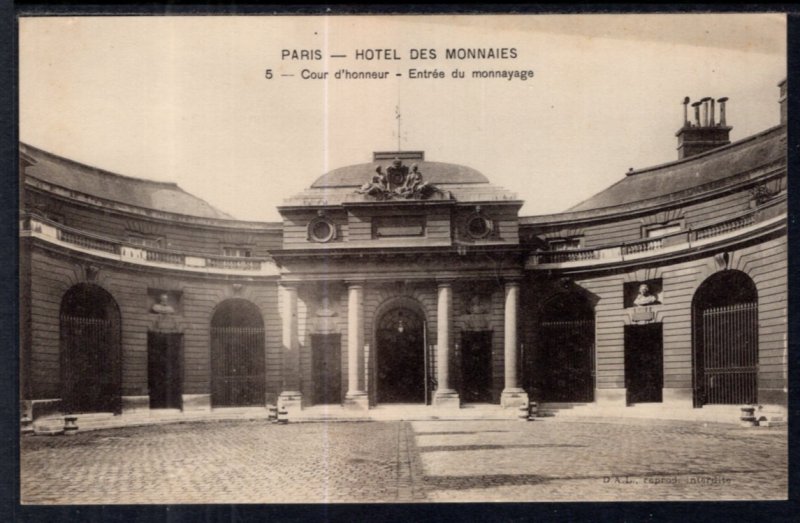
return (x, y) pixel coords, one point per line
(237, 355)
(725, 340)
(91, 359)
(400, 359)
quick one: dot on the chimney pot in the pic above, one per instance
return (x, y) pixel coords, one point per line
(685, 112)
(713, 121)
(722, 101)
(696, 106)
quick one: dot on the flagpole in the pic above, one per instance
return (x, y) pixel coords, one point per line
(397, 112)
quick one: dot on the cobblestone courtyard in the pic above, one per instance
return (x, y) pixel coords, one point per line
(255, 462)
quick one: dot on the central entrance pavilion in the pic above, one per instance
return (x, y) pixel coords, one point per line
(400, 285)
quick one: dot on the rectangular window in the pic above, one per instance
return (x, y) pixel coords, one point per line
(236, 252)
(663, 230)
(565, 244)
(155, 242)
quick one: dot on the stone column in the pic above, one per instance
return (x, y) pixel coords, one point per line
(445, 396)
(290, 397)
(356, 397)
(513, 395)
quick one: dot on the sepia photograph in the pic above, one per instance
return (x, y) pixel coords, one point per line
(402, 258)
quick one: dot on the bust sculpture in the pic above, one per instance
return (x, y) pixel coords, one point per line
(162, 306)
(324, 320)
(645, 297)
(476, 317)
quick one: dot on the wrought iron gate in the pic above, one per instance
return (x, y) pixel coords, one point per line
(567, 366)
(90, 367)
(727, 359)
(237, 366)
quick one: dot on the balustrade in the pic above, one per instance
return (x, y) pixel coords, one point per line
(656, 244)
(134, 253)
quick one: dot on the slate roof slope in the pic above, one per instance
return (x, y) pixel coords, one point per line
(150, 194)
(712, 166)
(339, 186)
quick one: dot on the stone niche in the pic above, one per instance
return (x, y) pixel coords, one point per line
(643, 293)
(642, 298)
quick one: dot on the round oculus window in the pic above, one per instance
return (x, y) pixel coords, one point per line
(321, 230)
(479, 227)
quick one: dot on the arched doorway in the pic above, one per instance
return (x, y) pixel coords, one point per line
(237, 355)
(400, 338)
(90, 333)
(566, 349)
(725, 340)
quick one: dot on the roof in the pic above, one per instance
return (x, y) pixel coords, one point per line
(711, 166)
(433, 172)
(339, 186)
(150, 194)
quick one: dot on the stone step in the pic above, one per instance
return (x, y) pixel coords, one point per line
(333, 413)
(552, 409)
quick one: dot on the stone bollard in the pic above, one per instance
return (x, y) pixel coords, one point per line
(273, 414)
(522, 413)
(533, 411)
(283, 416)
(70, 425)
(748, 418)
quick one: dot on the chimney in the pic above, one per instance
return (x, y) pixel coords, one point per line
(706, 133)
(782, 100)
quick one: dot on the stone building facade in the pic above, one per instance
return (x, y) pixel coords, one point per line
(410, 281)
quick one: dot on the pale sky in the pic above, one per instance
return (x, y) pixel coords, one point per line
(185, 99)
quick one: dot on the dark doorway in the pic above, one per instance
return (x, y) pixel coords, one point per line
(725, 340)
(237, 355)
(164, 372)
(644, 363)
(565, 363)
(326, 352)
(401, 357)
(91, 370)
(476, 366)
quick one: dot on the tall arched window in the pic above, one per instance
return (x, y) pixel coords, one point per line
(237, 355)
(725, 340)
(565, 369)
(91, 370)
